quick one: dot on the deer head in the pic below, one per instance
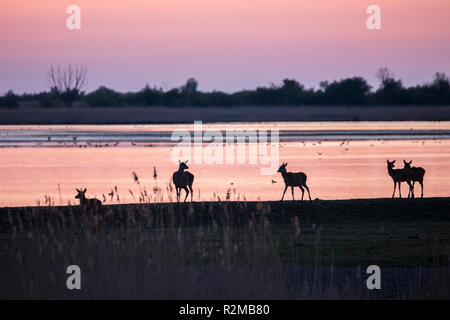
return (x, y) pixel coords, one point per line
(183, 165)
(407, 164)
(81, 194)
(282, 168)
(390, 164)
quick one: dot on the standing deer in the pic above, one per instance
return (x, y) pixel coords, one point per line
(416, 174)
(88, 204)
(399, 176)
(293, 179)
(183, 180)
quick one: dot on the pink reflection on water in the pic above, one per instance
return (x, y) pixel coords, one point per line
(280, 125)
(335, 171)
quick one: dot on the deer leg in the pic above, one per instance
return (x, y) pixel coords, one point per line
(395, 185)
(307, 189)
(399, 189)
(192, 192)
(303, 191)
(178, 193)
(292, 190)
(421, 185)
(187, 193)
(285, 188)
(411, 188)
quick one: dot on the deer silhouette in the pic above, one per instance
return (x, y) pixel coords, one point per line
(183, 180)
(416, 174)
(399, 176)
(293, 179)
(88, 204)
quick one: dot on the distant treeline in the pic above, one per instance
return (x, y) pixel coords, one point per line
(349, 91)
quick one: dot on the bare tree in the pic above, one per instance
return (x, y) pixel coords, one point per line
(441, 81)
(191, 85)
(189, 89)
(384, 75)
(67, 82)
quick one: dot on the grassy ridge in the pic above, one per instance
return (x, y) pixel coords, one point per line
(229, 250)
(394, 232)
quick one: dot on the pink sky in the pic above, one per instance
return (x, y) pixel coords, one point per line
(226, 44)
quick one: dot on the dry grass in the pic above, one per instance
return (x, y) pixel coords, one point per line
(228, 250)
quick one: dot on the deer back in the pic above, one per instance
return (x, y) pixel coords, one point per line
(417, 173)
(90, 203)
(94, 203)
(181, 179)
(295, 178)
(189, 177)
(401, 174)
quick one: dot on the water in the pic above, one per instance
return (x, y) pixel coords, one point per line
(342, 160)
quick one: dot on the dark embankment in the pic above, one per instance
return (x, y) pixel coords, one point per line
(361, 211)
(142, 115)
(230, 250)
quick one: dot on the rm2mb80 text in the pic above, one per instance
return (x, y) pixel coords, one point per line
(246, 309)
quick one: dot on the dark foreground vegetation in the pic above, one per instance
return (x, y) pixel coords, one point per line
(229, 250)
(353, 91)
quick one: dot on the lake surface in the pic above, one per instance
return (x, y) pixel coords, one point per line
(343, 160)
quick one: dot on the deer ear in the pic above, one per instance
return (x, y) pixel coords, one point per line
(186, 161)
(84, 190)
(404, 162)
(410, 162)
(394, 161)
(179, 161)
(285, 164)
(78, 190)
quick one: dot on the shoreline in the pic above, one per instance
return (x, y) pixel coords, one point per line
(285, 203)
(180, 115)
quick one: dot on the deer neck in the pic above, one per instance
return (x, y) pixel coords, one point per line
(284, 175)
(83, 200)
(180, 170)
(391, 171)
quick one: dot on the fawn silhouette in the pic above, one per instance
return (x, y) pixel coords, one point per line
(183, 180)
(88, 204)
(293, 179)
(416, 174)
(93, 205)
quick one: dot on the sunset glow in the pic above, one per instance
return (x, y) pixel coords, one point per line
(227, 45)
